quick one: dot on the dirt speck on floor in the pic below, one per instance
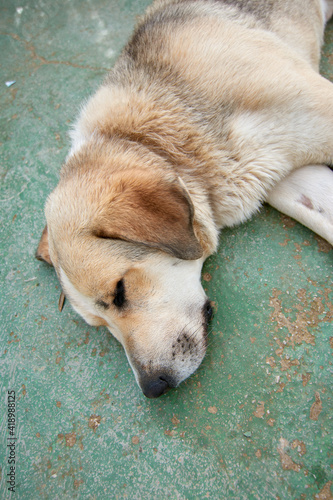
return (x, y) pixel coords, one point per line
(316, 407)
(212, 409)
(301, 448)
(287, 221)
(325, 493)
(287, 363)
(305, 378)
(77, 483)
(310, 312)
(323, 246)
(94, 422)
(286, 461)
(270, 361)
(175, 420)
(70, 439)
(260, 410)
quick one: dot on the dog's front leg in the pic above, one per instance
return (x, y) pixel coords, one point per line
(307, 196)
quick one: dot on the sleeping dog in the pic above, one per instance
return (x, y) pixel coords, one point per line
(213, 107)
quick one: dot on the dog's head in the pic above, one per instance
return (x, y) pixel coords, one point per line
(127, 257)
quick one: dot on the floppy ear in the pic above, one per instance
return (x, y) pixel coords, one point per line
(42, 252)
(151, 210)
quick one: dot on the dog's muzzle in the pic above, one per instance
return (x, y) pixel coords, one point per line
(155, 385)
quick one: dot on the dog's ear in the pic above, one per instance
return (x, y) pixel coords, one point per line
(150, 210)
(42, 252)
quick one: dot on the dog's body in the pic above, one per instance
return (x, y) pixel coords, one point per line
(212, 108)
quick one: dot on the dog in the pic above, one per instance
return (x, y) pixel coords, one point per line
(213, 107)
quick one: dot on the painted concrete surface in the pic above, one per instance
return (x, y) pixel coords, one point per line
(254, 422)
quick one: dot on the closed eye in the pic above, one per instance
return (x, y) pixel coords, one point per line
(119, 297)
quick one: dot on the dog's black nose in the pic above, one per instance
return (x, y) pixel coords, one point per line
(155, 388)
(208, 311)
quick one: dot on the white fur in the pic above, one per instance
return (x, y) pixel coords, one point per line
(307, 196)
(174, 304)
(327, 9)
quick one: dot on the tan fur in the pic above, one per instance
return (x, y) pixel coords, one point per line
(210, 107)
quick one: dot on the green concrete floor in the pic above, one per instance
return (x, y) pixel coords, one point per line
(254, 422)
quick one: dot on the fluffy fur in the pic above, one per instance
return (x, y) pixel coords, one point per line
(212, 108)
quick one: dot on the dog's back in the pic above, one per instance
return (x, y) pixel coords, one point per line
(298, 22)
